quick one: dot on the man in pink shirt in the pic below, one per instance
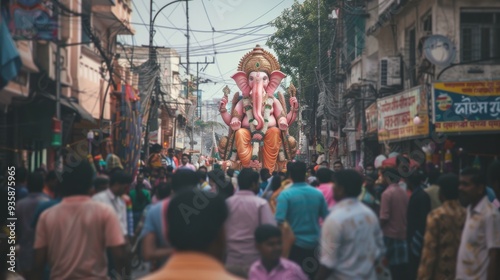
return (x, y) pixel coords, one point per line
(73, 236)
(271, 265)
(246, 213)
(393, 219)
(186, 162)
(324, 176)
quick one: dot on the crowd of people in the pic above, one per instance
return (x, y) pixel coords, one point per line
(305, 222)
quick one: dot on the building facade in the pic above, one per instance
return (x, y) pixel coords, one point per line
(87, 32)
(428, 72)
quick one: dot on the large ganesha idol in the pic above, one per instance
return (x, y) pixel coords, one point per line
(258, 134)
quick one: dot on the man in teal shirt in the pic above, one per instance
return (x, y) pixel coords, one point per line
(301, 205)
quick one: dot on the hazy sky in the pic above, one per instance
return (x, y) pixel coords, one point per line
(239, 25)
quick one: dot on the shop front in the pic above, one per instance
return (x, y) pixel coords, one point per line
(468, 114)
(403, 121)
(370, 138)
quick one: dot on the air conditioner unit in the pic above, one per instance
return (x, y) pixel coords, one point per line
(46, 58)
(390, 72)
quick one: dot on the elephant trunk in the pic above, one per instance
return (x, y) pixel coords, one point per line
(257, 93)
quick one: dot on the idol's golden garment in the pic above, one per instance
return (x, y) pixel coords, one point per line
(269, 151)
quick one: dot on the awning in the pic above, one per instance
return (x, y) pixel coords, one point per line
(66, 102)
(82, 112)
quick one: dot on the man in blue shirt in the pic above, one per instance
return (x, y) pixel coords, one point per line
(264, 177)
(21, 187)
(169, 160)
(302, 206)
(155, 247)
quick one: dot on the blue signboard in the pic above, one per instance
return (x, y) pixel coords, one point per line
(467, 106)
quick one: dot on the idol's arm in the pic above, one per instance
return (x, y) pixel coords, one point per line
(294, 110)
(226, 117)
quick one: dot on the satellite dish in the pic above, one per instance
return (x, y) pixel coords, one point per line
(439, 50)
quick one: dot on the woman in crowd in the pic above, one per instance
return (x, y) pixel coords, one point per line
(274, 186)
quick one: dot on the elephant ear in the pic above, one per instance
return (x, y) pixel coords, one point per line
(242, 82)
(274, 81)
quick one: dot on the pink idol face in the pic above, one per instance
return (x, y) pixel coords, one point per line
(256, 76)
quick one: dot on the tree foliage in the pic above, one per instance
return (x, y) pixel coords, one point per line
(296, 45)
(205, 126)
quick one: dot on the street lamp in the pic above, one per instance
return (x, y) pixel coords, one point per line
(417, 120)
(152, 61)
(152, 21)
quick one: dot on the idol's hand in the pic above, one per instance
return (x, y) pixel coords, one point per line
(294, 104)
(222, 105)
(283, 125)
(235, 124)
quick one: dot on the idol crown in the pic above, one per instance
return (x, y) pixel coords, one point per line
(258, 60)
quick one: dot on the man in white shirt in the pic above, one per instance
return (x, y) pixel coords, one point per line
(321, 158)
(479, 252)
(351, 238)
(119, 185)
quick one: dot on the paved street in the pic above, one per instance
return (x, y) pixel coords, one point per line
(140, 271)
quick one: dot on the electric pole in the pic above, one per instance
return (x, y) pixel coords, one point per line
(319, 37)
(187, 36)
(198, 93)
(338, 69)
(151, 30)
(151, 61)
(58, 162)
(199, 101)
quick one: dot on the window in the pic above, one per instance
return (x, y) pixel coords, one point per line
(86, 22)
(427, 23)
(355, 36)
(480, 35)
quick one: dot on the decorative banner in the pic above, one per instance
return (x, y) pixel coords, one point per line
(467, 106)
(127, 134)
(10, 60)
(33, 20)
(371, 118)
(396, 114)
